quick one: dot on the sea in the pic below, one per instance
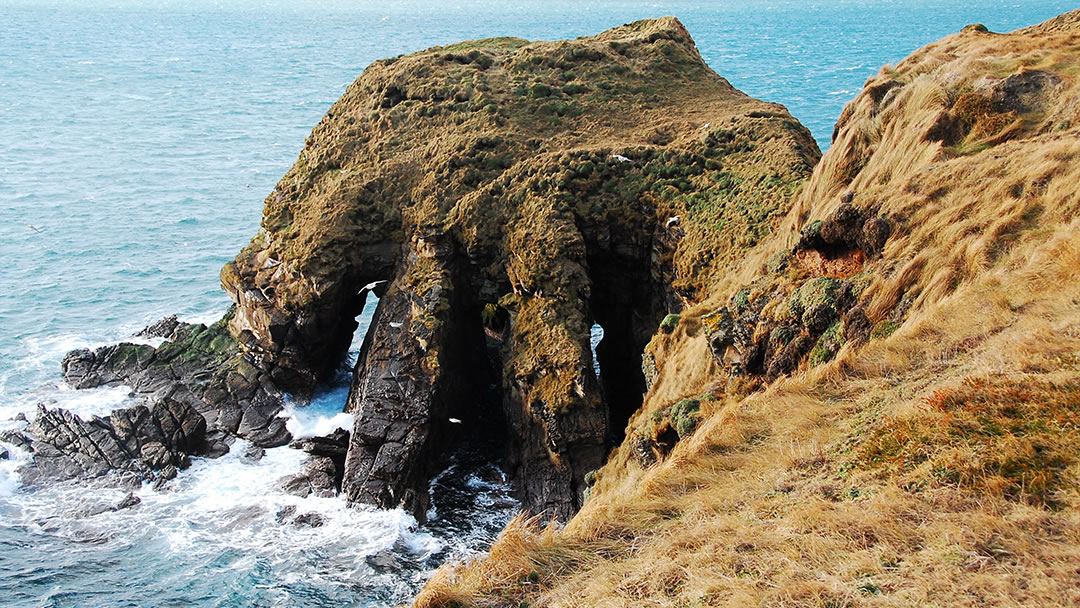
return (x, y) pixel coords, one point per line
(137, 142)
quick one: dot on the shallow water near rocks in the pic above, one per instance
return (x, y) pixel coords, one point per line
(137, 141)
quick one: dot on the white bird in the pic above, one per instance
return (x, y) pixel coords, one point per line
(454, 420)
(621, 158)
(706, 125)
(395, 324)
(671, 220)
(371, 285)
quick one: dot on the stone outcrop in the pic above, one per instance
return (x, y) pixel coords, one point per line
(324, 468)
(202, 367)
(501, 197)
(138, 440)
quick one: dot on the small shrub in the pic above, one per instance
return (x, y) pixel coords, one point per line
(669, 323)
(685, 416)
(540, 90)
(883, 329)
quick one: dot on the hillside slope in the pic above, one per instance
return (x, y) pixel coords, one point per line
(881, 407)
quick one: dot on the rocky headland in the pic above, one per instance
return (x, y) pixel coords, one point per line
(824, 380)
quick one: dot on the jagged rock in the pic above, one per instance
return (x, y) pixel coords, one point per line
(254, 453)
(198, 365)
(309, 520)
(320, 476)
(137, 439)
(128, 501)
(285, 513)
(4, 455)
(335, 444)
(164, 328)
(166, 475)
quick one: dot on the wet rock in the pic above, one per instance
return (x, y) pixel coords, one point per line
(309, 520)
(253, 453)
(285, 513)
(4, 455)
(199, 366)
(137, 439)
(164, 328)
(166, 475)
(128, 501)
(320, 476)
(334, 445)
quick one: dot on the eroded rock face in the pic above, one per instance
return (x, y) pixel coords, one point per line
(501, 197)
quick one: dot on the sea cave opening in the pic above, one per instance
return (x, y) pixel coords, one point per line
(625, 311)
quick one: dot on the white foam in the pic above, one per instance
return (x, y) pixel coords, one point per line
(206, 317)
(302, 426)
(152, 341)
(230, 502)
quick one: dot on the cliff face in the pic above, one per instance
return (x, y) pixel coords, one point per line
(878, 406)
(504, 196)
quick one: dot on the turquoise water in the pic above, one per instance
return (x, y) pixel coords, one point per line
(136, 144)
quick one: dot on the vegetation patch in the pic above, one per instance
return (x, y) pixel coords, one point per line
(1014, 437)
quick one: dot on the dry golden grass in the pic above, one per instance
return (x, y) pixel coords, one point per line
(937, 466)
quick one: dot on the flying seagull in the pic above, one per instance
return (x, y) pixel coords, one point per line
(35, 228)
(454, 420)
(371, 285)
(621, 158)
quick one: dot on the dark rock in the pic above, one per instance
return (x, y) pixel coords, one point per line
(136, 439)
(875, 232)
(4, 455)
(164, 328)
(788, 358)
(216, 444)
(1025, 91)
(857, 326)
(320, 476)
(253, 453)
(309, 520)
(128, 501)
(285, 513)
(17, 439)
(297, 485)
(334, 444)
(843, 227)
(199, 366)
